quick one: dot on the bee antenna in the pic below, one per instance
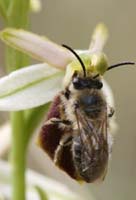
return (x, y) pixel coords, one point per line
(117, 65)
(77, 56)
(120, 64)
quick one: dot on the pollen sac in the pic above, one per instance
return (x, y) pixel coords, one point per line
(99, 62)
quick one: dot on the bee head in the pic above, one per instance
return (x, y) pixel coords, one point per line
(86, 70)
(81, 71)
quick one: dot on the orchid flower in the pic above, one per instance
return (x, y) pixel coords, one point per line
(36, 85)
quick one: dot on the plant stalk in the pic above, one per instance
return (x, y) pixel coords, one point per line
(17, 17)
(18, 155)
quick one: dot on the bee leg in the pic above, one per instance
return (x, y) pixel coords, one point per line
(61, 123)
(111, 112)
(66, 140)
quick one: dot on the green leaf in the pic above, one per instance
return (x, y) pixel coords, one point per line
(3, 9)
(7, 3)
(18, 13)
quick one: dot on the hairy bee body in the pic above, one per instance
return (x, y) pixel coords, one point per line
(90, 149)
(75, 132)
(52, 133)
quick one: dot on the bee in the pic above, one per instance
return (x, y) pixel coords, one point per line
(76, 134)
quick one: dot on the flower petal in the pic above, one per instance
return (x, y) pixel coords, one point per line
(110, 102)
(29, 87)
(99, 38)
(5, 138)
(80, 52)
(38, 47)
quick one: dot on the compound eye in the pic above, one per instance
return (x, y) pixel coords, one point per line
(77, 83)
(96, 84)
(99, 85)
(80, 83)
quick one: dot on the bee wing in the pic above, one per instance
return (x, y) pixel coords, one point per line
(90, 133)
(93, 160)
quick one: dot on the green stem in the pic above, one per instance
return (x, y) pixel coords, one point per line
(18, 13)
(18, 156)
(3, 9)
(23, 123)
(17, 17)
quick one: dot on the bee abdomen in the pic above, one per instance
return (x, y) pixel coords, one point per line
(77, 151)
(90, 165)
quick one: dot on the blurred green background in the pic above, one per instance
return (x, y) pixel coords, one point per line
(72, 22)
